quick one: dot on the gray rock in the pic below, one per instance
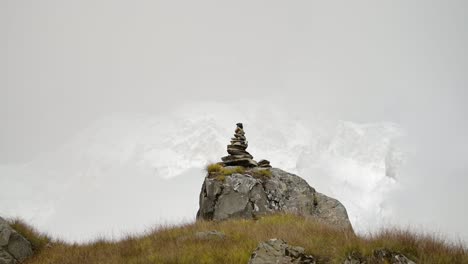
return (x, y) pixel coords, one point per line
(264, 164)
(6, 258)
(12, 244)
(278, 251)
(244, 162)
(330, 211)
(5, 232)
(243, 196)
(354, 258)
(379, 256)
(231, 158)
(19, 247)
(385, 255)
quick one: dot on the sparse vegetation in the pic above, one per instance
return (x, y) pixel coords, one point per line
(214, 168)
(229, 171)
(221, 177)
(38, 240)
(179, 245)
(261, 173)
(219, 172)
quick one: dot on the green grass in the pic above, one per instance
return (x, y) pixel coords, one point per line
(214, 168)
(179, 245)
(220, 172)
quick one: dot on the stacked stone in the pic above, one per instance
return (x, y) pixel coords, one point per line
(238, 155)
(264, 164)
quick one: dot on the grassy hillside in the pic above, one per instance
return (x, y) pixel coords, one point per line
(180, 245)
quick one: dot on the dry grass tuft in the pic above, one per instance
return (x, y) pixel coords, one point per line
(214, 168)
(261, 173)
(229, 171)
(38, 240)
(179, 245)
(219, 172)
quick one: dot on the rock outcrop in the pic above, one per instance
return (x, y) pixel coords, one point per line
(278, 251)
(257, 189)
(238, 155)
(253, 193)
(13, 246)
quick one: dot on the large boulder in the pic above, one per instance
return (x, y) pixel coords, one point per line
(278, 251)
(249, 196)
(13, 246)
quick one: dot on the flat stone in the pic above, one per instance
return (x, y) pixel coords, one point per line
(238, 145)
(264, 163)
(236, 152)
(237, 157)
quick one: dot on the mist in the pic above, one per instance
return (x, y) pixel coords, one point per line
(66, 66)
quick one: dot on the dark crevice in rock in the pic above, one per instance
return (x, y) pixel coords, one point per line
(252, 205)
(215, 201)
(205, 194)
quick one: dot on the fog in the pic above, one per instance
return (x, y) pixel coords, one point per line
(66, 64)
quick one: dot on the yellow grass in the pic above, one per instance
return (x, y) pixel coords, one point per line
(179, 245)
(261, 173)
(214, 168)
(38, 240)
(219, 172)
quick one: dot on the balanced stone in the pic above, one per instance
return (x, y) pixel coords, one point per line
(264, 164)
(235, 152)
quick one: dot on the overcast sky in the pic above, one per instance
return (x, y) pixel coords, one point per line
(64, 64)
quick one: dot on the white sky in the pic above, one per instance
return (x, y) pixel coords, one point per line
(64, 64)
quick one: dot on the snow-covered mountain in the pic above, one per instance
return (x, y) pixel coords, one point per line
(125, 173)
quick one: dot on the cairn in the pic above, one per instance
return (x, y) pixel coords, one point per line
(238, 156)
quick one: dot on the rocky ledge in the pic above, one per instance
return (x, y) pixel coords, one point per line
(14, 247)
(260, 191)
